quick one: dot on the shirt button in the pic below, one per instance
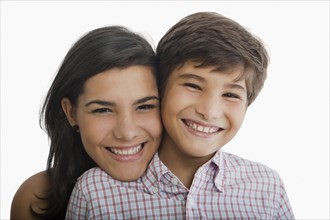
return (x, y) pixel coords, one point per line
(154, 189)
(174, 181)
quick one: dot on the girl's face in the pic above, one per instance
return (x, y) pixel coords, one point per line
(119, 120)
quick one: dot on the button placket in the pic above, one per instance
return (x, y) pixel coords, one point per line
(190, 203)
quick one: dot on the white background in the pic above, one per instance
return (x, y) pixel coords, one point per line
(287, 128)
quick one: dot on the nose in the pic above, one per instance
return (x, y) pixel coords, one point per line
(126, 127)
(209, 107)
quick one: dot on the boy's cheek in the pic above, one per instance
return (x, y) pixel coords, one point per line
(180, 97)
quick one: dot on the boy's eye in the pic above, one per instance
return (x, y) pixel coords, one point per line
(146, 107)
(102, 110)
(192, 85)
(231, 95)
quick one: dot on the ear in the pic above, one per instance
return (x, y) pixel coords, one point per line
(69, 111)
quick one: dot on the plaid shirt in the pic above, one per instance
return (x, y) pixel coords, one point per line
(226, 187)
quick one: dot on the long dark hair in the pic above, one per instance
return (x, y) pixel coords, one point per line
(97, 51)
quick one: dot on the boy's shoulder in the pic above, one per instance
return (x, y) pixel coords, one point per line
(238, 167)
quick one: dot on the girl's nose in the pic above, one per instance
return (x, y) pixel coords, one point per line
(126, 128)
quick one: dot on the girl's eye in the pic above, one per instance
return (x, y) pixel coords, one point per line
(231, 95)
(102, 110)
(192, 85)
(146, 107)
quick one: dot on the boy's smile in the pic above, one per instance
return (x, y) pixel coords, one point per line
(202, 110)
(201, 129)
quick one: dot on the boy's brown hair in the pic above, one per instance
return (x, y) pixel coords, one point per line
(211, 39)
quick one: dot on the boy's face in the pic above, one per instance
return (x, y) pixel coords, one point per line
(202, 109)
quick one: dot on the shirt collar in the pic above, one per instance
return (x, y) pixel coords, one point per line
(215, 168)
(157, 169)
(219, 161)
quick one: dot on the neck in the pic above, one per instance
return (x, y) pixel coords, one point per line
(181, 164)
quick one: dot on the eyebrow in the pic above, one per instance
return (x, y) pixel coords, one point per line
(191, 76)
(145, 99)
(107, 103)
(235, 86)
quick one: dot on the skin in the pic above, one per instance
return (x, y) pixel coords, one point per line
(202, 110)
(119, 121)
(119, 109)
(37, 184)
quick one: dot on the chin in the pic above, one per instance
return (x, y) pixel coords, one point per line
(128, 176)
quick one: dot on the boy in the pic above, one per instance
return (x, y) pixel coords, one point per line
(211, 70)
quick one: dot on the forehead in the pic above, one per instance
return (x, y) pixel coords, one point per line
(120, 82)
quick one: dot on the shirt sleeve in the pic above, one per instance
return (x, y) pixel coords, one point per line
(77, 207)
(285, 210)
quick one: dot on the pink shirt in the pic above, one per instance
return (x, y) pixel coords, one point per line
(226, 187)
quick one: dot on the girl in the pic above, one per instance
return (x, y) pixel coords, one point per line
(102, 109)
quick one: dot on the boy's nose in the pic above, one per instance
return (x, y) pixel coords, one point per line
(126, 128)
(209, 107)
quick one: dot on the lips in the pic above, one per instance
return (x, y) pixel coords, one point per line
(201, 128)
(126, 151)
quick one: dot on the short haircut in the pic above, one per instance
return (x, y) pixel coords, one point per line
(213, 40)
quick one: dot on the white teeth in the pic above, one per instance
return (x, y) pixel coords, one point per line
(123, 151)
(206, 129)
(200, 128)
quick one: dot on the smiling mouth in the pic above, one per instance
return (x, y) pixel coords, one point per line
(126, 151)
(201, 128)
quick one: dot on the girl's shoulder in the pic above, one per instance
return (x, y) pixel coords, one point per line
(29, 196)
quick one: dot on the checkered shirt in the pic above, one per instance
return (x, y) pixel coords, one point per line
(226, 187)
